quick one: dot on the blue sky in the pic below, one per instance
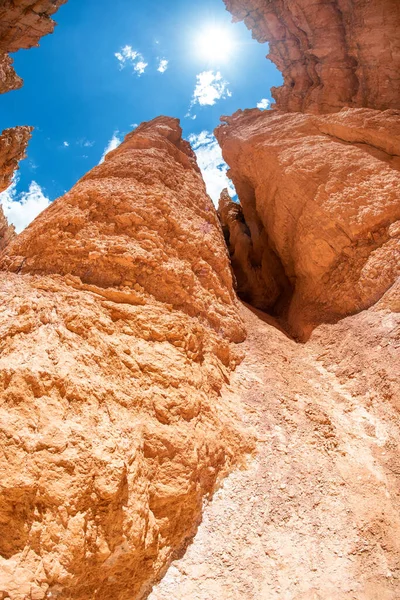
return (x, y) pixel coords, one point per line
(100, 73)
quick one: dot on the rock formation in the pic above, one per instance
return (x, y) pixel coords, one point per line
(124, 396)
(13, 144)
(116, 339)
(320, 196)
(22, 24)
(259, 277)
(332, 53)
(316, 515)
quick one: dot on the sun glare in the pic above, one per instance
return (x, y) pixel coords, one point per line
(215, 44)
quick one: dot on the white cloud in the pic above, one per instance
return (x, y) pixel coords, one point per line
(210, 87)
(66, 144)
(140, 67)
(112, 144)
(129, 56)
(163, 65)
(212, 165)
(264, 104)
(21, 208)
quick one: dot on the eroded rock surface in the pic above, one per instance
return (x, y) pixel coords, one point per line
(259, 276)
(116, 339)
(331, 53)
(322, 193)
(317, 514)
(22, 24)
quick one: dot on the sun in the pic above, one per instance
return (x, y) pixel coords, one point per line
(215, 44)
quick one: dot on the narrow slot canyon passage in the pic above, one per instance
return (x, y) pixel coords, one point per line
(315, 515)
(259, 274)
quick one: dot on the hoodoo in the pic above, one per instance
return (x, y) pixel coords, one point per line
(116, 338)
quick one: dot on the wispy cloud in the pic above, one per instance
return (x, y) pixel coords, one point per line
(112, 144)
(210, 87)
(128, 56)
(85, 143)
(163, 65)
(21, 208)
(264, 104)
(212, 165)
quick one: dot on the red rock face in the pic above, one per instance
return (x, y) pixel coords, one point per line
(331, 54)
(116, 340)
(22, 24)
(322, 193)
(131, 221)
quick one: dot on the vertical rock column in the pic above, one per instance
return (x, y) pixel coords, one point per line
(118, 321)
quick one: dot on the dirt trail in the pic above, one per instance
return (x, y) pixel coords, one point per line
(316, 514)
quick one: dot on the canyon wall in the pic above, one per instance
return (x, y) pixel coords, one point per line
(118, 323)
(318, 177)
(331, 54)
(320, 198)
(22, 24)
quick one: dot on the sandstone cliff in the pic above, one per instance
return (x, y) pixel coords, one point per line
(320, 196)
(116, 339)
(22, 24)
(332, 53)
(13, 143)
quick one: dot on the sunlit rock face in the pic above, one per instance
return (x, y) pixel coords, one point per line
(13, 143)
(322, 194)
(331, 54)
(22, 24)
(117, 330)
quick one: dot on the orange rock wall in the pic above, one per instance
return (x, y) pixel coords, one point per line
(331, 54)
(323, 193)
(116, 341)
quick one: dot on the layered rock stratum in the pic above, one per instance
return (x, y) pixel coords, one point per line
(118, 322)
(22, 24)
(331, 53)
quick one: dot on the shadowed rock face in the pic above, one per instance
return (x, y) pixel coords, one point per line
(331, 54)
(321, 192)
(22, 24)
(259, 275)
(116, 339)
(13, 144)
